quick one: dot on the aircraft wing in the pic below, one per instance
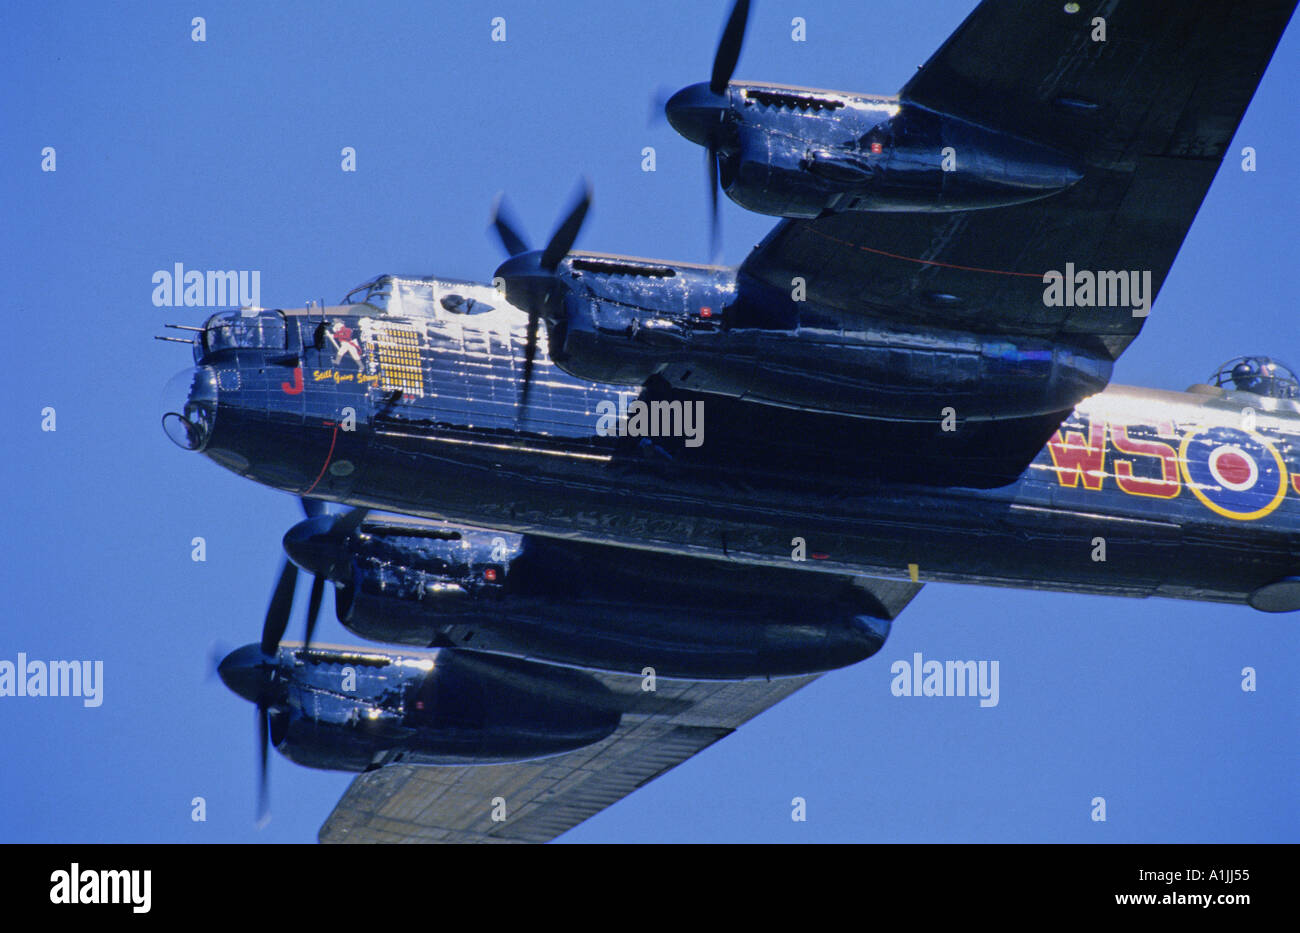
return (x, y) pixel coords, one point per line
(549, 796)
(1148, 113)
(546, 797)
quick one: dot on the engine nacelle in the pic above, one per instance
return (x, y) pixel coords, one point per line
(777, 175)
(617, 609)
(763, 347)
(796, 152)
(354, 709)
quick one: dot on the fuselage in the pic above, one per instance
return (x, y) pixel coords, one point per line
(410, 403)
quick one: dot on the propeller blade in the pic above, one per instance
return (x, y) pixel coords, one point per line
(507, 229)
(313, 608)
(564, 237)
(279, 721)
(277, 614)
(530, 354)
(733, 35)
(348, 522)
(715, 234)
(263, 789)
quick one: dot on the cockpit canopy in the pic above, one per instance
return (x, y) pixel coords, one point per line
(249, 329)
(1258, 374)
(402, 296)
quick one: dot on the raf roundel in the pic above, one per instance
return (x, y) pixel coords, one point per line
(1233, 472)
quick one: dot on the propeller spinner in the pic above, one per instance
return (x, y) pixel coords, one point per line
(529, 275)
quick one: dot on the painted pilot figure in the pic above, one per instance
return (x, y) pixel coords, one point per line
(344, 345)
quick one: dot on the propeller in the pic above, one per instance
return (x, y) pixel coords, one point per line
(715, 221)
(733, 36)
(272, 729)
(256, 676)
(567, 233)
(277, 613)
(318, 542)
(263, 784)
(529, 275)
(724, 66)
(313, 507)
(503, 221)
(703, 112)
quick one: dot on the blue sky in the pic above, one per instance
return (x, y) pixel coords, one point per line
(226, 155)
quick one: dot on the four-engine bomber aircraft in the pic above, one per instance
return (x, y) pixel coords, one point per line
(607, 542)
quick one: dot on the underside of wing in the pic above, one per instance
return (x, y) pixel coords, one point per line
(536, 801)
(1106, 80)
(662, 722)
(981, 455)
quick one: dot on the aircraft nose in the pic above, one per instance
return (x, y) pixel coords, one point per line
(695, 112)
(246, 671)
(312, 546)
(189, 403)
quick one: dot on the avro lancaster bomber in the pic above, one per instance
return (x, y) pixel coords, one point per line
(610, 508)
